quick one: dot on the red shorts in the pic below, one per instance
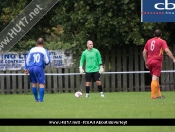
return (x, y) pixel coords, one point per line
(155, 67)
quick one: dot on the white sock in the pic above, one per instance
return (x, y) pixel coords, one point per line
(101, 93)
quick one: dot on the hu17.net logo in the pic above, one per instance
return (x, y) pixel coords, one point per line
(157, 10)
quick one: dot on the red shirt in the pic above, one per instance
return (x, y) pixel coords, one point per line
(155, 47)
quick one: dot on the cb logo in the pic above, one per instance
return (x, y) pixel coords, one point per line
(165, 6)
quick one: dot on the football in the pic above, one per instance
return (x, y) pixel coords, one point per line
(78, 94)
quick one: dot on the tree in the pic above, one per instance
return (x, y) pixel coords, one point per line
(108, 23)
(9, 9)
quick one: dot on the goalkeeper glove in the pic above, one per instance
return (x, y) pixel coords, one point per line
(101, 69)
(81, 70)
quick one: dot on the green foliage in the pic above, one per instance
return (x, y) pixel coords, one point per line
(57, 45)
(23, 46)
(54, 41)
(109, 23)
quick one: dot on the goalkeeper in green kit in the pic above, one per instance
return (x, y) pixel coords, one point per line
(93, 67)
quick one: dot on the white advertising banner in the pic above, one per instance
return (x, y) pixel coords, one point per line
(16, 61)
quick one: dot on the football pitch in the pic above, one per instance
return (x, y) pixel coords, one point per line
(65, 105)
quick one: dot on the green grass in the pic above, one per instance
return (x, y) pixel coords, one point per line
(65, 105)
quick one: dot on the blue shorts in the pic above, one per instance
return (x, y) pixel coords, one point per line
(37, 75)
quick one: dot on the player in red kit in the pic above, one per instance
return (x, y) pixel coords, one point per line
(153, 57)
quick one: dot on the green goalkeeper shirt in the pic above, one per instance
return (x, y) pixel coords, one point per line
(92, 58)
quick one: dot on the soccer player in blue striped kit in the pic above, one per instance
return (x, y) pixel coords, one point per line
(36, 60)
